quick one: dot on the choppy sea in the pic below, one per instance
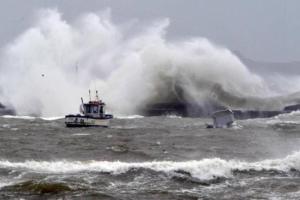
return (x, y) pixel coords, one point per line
(166, 157)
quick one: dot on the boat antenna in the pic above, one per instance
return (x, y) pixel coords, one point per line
(90, 95)
(82, 100)
(97, 97)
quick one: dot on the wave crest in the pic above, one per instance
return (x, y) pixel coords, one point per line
(205, 169)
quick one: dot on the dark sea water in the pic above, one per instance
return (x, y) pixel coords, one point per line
(150, 158)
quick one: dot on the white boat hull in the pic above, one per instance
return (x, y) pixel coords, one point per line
(82, 121)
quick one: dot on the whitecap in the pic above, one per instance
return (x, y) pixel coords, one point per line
(174, 116)
(52, 118)
(129, 116)
(81, 134)
(204, 169)
(18, 117)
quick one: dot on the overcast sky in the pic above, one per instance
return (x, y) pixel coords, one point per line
(259, 29)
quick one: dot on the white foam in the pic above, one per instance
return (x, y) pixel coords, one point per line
(292, 118)
(174, 116)
(53, 118)
(31, 117)
(4, 183)
(81, 134)
(5, 126)
(129, 116)
(203, 169)
(277, 121)
(293, 113)
(18, 117)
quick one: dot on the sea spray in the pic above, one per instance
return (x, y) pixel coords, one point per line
(47, 68)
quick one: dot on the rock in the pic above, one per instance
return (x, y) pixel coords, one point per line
(6, 111)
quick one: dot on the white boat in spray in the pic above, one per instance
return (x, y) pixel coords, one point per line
(222, 119)
(91, 114)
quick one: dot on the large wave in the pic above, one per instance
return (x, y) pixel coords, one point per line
(205, 169)
(51, 65)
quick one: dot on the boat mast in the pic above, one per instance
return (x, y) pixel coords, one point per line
(97, 97)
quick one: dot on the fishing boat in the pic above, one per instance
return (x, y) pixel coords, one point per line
(222, 119)
(91, 114)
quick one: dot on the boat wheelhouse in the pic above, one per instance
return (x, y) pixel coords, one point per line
(222, 119)
(91, 114)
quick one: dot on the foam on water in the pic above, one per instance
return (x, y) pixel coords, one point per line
(18, 117)
(291, 114)
(129, 116)
(292, 118)
(203, 169)
(81, 134)
(52, 118)
(31, 117)
(174, 116)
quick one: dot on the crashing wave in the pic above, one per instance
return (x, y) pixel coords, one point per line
(59, 60)
(205, 169)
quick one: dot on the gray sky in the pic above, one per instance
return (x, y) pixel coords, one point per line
(259, 29)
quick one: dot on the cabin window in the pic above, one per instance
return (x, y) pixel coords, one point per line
(87, 108)
(95, 109)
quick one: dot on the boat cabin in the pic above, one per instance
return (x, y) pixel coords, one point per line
(91, 114)
(223, 119)
(93, 109)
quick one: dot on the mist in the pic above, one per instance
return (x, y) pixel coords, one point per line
(49, 66)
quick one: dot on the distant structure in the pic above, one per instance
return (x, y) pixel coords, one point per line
(292, 108)
(6, 111)
(185, 109)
